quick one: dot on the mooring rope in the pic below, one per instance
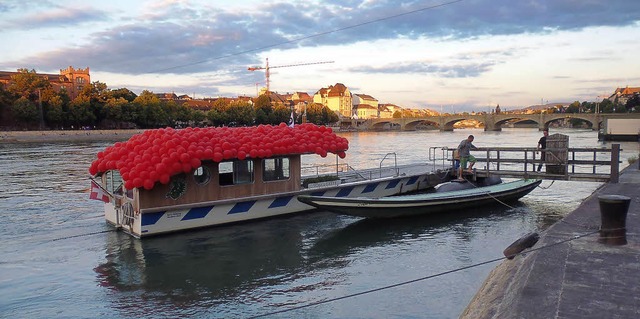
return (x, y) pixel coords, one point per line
(421, 278)
(488, 193)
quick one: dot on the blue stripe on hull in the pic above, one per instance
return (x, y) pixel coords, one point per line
(242, 207)
(281, 201)
(344, 192)
(197, 213)
(393, 183)
(370, 188)
(151, 218)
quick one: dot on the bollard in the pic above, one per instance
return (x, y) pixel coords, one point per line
(613, 214)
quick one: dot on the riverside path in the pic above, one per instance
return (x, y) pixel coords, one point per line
(569, 272)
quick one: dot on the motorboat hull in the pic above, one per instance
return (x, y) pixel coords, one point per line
(421, 204)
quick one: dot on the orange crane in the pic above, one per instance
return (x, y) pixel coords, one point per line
(267, 68)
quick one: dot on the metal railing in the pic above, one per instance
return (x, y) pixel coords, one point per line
(446, 156)
(588, 164)
(347, 172)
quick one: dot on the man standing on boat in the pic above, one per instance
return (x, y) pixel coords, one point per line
(465, 157)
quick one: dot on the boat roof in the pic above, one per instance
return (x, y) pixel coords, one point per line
(156, 155)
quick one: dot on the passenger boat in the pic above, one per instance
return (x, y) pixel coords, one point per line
(168, 180)
(422, 204)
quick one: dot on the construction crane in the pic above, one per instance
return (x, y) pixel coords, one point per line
(267, 68)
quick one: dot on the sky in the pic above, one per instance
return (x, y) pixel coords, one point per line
(446, 55)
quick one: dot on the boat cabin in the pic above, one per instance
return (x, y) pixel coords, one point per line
(212, 181)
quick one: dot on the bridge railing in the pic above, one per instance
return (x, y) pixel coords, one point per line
(588, 164)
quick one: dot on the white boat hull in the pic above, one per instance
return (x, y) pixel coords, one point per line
(170, 219)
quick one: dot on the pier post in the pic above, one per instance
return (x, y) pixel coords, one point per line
(615, 163)
(613, 214)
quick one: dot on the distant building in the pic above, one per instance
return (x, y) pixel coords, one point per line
(167, 96)
(70, 79)
(622, 95)
(365, 111)
(337, 98)
(385, 111)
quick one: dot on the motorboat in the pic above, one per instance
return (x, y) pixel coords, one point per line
(423, 203)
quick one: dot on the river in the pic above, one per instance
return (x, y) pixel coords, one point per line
(61, 260)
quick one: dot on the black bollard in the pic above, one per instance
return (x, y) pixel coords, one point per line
(613, 214)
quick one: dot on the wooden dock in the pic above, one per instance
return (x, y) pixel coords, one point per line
(558, 163)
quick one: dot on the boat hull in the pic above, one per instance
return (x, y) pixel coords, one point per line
(179, 218)
(422, 204)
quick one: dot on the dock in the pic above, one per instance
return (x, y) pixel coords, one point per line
(571, 272)
(556, 162)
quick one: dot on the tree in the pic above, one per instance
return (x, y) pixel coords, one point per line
(216, 117)
(27, 84)
(120, 93)
(25, 110)
(280, 114)
(115, 110)
(633, 104)
(197, 116)
(55, 113)
(264, 110)
(588, 107)
(320, 114)
(573, 107)
(606, 106)
(241, 114)
(80, 111)
(150, 113)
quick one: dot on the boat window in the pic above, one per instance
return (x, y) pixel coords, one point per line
(275, 169)
(114, 183)
(235, 172)
(202, 175)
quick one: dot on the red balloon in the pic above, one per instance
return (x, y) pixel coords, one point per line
(195, 163)
(164, 178)
(148, 184)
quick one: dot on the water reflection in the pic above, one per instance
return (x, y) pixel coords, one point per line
(365, 233)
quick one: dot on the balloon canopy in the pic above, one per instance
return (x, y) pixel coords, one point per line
(155, 155)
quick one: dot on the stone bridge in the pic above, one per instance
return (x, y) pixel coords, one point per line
(492, 122)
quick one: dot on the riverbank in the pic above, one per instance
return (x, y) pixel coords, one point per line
(575, 276)
(66, 135)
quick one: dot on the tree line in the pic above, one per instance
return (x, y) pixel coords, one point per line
(29, 101)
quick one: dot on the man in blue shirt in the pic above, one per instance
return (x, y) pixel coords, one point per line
(465, 157)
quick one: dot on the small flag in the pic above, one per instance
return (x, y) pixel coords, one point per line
(98, 193)
(291, 122)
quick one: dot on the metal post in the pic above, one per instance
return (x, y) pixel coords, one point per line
(613, 214)
(615, 163)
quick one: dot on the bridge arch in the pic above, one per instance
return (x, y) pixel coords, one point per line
(493, 122)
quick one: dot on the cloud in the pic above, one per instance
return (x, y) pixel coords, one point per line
(57, 17)
(219, 42)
